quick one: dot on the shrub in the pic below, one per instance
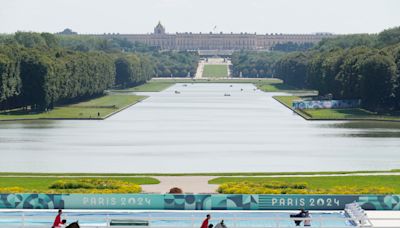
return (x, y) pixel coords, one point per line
(175, 190)
(275, 187)
(94, 186)
(12, 190)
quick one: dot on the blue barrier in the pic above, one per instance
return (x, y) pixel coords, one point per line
(196, 201)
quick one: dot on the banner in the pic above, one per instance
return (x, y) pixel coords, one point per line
(196, 201)
(325, 104)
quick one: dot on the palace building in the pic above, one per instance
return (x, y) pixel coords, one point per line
(217, 41)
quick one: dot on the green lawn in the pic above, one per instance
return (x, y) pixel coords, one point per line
(5, 174)
(280, 87)
(215, 71)
(355, 113)
(323, 182)
(43, 183)
(334, 114)
(104, 106)
(151, 86)
(218, 80)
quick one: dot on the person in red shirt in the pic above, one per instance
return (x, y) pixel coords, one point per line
(57, 220)
(205, 222)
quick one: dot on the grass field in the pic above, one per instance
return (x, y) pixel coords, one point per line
(104, 106)
(5, 174)
(392, 182)
(334, 114)
(215, 71)
(43, 183)
(151, 86)
(218, 80)
(280, 87)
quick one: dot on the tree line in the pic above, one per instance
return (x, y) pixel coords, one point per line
(254, 64)
(363, 66)
(41, 70)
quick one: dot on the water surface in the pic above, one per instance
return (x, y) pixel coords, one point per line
(200, 130)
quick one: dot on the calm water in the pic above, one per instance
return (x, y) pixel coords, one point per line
(199, 130)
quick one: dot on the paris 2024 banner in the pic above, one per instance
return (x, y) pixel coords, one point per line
(196, 201)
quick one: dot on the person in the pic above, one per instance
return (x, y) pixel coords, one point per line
(57, 220)
(205, 222)
(221, 225)
(210, 226)
(307, 222)
(299, 215)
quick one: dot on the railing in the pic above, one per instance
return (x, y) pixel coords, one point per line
(355, 216)
(281, 222)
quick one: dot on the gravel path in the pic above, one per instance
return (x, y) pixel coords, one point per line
(189, 184)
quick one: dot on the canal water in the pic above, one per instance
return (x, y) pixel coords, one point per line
(201, 129)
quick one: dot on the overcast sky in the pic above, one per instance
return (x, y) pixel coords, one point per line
(140, 16)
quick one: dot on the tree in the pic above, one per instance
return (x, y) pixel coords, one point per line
(378, 72)
(10, 82)
(292, 69)
(389, 36)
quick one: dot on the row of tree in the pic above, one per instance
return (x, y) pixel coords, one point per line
(254, 64)
(291, 46)
(40, 71)
(365, 67)
(175, 64)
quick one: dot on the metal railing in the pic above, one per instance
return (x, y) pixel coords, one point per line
(281, 222)
(88, 220)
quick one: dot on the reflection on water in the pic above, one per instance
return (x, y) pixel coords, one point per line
(368, 125)
(373, 129)
(29, 124)
(200, 130)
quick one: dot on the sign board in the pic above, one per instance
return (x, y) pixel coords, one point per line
(196, 201)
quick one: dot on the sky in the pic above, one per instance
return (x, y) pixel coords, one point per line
(140, 16)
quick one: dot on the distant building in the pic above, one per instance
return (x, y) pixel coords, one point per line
(217, 41)
(67, 31)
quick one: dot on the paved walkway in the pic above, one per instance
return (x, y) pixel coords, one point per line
(200, 69)
(189, 184)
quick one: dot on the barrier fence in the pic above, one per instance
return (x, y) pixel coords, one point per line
(196, 201)
(235, 222)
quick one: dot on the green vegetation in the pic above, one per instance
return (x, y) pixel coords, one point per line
(291, 47)
(104, 106)
(264, 84)
(362, 67)
(75, 185)
(220, 80)
(150, 86)
(94, 186)
(10, 174)
(255, 64)
(287, 100)
(334, 114)
(40, 71)
(215, 71)
(310, 185)
(175, 64)
(354, 113)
